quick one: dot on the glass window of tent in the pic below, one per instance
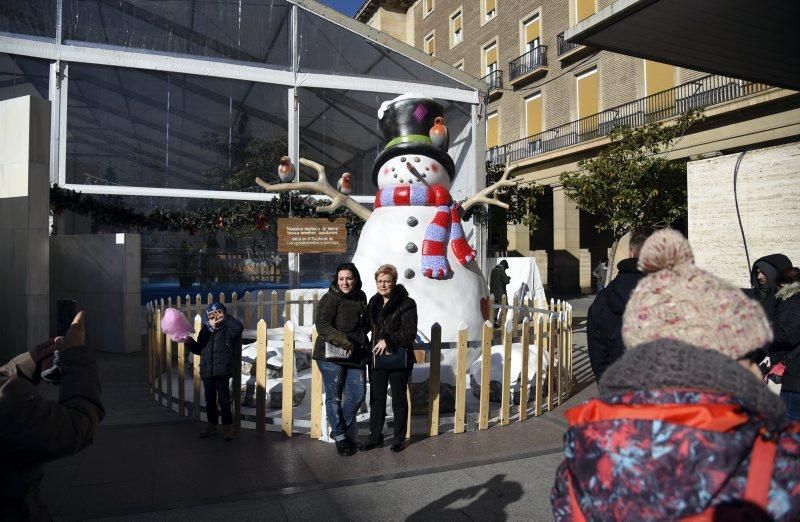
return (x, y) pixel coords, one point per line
(179, 105)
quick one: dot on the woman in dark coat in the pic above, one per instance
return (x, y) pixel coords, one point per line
(393, 316)
(787, 339)
(341, 352)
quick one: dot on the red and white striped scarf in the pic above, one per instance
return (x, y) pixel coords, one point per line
(445, 227)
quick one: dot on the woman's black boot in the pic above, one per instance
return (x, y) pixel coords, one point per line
(371, 444)
(397, 445)
(345, 448)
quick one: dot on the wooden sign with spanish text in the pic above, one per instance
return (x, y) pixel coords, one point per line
(312, 235)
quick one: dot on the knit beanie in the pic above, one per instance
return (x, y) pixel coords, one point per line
(681, 302)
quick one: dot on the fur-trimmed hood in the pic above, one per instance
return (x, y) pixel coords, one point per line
(787, 292)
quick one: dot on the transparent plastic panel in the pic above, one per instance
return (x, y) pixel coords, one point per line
(339, 129)
(23, 76)
(141, 128)
(325, 47)
(31, 17)
(241, 30)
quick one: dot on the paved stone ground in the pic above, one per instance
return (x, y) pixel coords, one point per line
(147, 464)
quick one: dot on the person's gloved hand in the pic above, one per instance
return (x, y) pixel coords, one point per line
(51, 372)
(43, 350)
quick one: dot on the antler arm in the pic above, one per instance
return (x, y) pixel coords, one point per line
(322, 186)
(483, 195)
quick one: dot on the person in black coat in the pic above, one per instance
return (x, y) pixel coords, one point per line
(218, 344)
(786, 346)
(764, 281)
(393, 316)
(604, 321)
(341, 352)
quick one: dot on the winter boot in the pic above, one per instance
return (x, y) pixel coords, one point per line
(345, 448)
(228, 432)
(208, 431)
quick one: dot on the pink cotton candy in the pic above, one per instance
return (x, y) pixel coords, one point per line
(175, 324)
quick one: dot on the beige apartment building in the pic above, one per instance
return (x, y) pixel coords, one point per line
(550, 104)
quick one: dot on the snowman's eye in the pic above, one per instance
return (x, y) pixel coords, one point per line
(403, 159)
(416, 160)
(427, 168)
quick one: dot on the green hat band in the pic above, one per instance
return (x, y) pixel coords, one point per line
(411, 138)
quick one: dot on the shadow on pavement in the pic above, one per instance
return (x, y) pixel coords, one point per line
(491, 497)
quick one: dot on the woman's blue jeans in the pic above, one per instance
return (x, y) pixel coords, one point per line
(792, 400)
(345, 389)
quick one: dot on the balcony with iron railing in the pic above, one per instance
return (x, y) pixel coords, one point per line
(528, 66)
(567, 49)
(495, 82)
(704, 92)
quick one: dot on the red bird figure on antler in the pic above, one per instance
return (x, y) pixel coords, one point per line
(343, 185)
(286, 170)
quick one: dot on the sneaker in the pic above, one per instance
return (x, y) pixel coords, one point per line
(209, 431)
(228, 432)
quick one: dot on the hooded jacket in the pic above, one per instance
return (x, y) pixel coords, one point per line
(771, 265)
(604, 320)
(675, 433)
(787, 335)
(34, 430)
(218, 349)
(395, 321)
(341, 319)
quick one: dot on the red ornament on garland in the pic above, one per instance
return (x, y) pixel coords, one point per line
(262, 223)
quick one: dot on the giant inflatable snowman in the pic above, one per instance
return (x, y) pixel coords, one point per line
(416, 226)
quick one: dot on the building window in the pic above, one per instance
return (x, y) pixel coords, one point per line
(490, 58)
(430, 43)
(456, 28)
(531, 33)
(459, 65)
(584, 9)
(533, 114)
(493, 130)
(588, 99)
(489, 9)
(659, 77)
(427, 7)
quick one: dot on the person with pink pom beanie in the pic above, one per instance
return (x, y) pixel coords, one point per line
(683, 427)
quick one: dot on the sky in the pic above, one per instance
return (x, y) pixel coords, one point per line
(348, 7)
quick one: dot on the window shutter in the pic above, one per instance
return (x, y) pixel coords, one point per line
(585, 9)
(532, 31)
(533, 115)
(588, 94)
(492, 131)
(491, 55)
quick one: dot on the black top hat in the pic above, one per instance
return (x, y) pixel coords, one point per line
(405, 124)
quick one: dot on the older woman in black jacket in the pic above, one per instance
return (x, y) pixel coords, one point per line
(393, 316)
(341, 352)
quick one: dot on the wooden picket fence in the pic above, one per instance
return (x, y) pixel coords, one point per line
(547, 325)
